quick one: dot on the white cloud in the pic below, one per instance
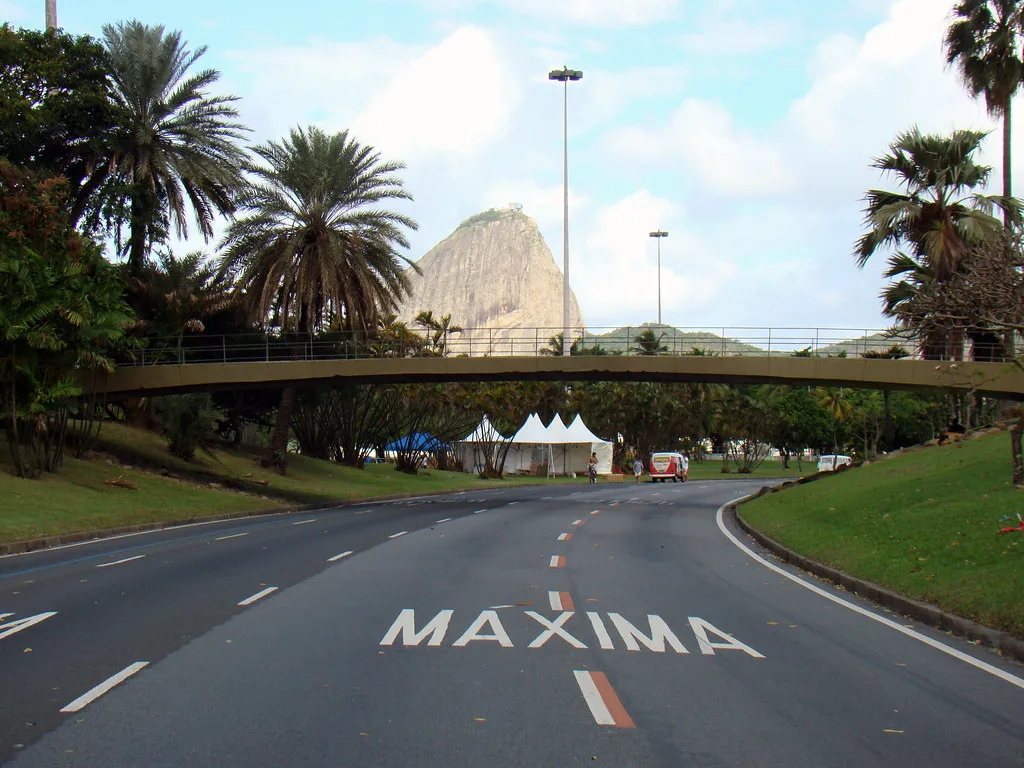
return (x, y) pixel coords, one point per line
(702, 137)
(723, 36)
(599, 13)
(456, 98)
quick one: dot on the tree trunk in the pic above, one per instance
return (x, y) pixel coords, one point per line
(1007, 187)
(1015, 452)
(277, 451)
(137, 237)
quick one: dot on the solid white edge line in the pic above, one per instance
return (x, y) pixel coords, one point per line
(232, 536)
(258, 596)
(338, 557)
(593, 698)
(118, 562)
(956, 654)
(445, 520)
(89, 696)
(396, 535)
(555, 600)
(104, 539)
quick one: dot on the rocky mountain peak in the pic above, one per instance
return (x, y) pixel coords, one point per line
(493, 272)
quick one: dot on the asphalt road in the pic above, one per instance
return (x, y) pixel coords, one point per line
(574, 625)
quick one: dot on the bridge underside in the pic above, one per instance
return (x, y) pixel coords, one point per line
(993, 379)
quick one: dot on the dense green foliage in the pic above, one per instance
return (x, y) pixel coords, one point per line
(61, 310)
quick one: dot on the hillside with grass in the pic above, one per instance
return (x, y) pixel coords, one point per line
(924, 523)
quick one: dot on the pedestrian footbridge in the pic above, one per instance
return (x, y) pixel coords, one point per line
(224, 363)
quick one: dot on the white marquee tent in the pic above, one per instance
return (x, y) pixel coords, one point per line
(483, 442)
(562, 449)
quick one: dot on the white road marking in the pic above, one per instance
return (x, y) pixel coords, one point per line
(232, 536)
(258, 596)
(396, 535)
(445, 520)
(496, 607)
(13, 627)
(405, 625)
(555, 599)
(601, 631)
(90, 696)
(563, 536)
(596, 512)
(303, 522)
(557, 561)
(338, 557)
(118, 562)
(552, 628)
(956, 654)
(486, 618)
(593, 698)
(577, 522)
(477, 512)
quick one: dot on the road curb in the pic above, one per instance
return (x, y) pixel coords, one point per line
(45, 542)
(926, 613)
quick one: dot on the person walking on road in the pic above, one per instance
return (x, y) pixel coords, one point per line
(686, 466)
(638, 468)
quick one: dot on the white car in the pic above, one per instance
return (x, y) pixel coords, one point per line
(832, 462)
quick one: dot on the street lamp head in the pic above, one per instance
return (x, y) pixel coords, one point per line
(659, 233)
(565, 74)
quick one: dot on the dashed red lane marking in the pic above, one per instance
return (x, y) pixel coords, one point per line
(558, 561)
(565, 537)
(604, 703)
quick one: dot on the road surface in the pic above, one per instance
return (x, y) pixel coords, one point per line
(615, 624)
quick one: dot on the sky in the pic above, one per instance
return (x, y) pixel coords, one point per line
(745, 129)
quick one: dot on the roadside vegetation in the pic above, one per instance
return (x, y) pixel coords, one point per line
(924, 523)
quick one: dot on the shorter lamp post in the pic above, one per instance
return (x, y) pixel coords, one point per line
(658, 235)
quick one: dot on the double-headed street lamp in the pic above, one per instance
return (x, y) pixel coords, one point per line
(658, 235)
(563, 76)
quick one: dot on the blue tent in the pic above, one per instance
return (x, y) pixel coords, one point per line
(417, 441)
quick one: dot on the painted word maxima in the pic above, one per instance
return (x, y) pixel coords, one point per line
(488, 628)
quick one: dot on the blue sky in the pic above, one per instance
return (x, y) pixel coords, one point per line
(743, 128)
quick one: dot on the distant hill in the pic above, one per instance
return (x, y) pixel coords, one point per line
(678, 342)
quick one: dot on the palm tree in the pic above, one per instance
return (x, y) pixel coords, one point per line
(312, 245)
(440, 330)
(647, 344)
(938, 216)
(554, 346)
(174, 142)
(985, 44)
(835, 403)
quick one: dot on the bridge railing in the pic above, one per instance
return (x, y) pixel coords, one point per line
(517, 342)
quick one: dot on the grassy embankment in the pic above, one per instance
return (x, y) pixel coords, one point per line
(924, 523)
(78, 498)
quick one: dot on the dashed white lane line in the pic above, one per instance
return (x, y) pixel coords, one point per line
(118, 562)
(596, 512)
(557, 561)
(339, 557)
(560, 601)
(478, 511)
(232, 536)
(956, 654)
(258, 596)
(577, 522)
(303, 522)
(604, 704)
(565, 537)
(90, 696)
(396, 535)
(445, 520)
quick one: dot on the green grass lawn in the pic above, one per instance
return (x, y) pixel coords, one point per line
(924, 523)
(705, 470)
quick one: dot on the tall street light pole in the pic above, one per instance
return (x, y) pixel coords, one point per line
(658, 235)
(51, 14)
(563, 76)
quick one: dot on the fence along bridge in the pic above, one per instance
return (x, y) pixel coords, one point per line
(720, 355)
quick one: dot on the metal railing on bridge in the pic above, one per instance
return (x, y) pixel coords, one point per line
(518, 342)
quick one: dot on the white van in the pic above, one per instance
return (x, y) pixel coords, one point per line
(665, 466)
(832, 462)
